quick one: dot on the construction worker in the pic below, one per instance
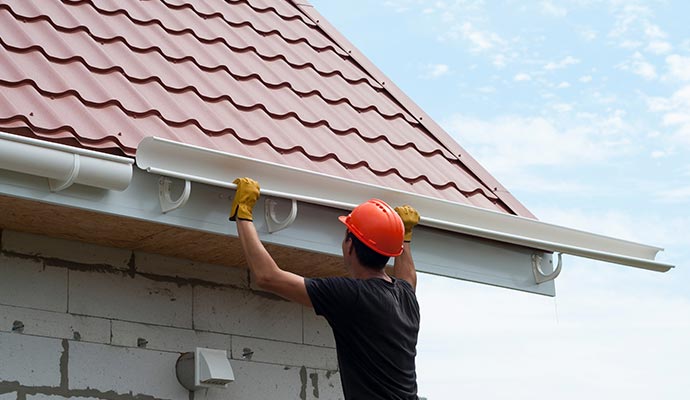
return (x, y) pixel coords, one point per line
(374, 317)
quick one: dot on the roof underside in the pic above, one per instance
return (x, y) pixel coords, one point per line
(254, 78)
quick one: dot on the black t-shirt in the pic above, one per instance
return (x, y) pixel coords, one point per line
(375, 324)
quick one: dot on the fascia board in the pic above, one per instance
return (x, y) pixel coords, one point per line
(216, 168)
(316, 228)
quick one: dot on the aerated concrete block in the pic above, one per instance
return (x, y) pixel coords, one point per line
(54, 324)
(276, 382)
(284, 353)
(125, 371)
(176, 267)
(247, 313)
(30, 360)
(28, 283)
(167, 339)
(68, 250)
(125, 298)
(55, 397)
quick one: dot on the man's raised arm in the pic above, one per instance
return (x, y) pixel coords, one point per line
(265, 270)
(404, 265)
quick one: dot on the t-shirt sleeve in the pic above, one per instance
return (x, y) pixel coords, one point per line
(332, 297)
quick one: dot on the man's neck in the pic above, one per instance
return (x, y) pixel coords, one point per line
(361, 272)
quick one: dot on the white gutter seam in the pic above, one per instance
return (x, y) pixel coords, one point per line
(215, 168)
(64, 165)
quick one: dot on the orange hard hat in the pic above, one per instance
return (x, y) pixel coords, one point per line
(378, 226)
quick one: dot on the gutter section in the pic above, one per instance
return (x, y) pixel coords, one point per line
(64, 165)
(216, 168)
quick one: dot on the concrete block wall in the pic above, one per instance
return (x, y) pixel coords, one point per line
(86, 321)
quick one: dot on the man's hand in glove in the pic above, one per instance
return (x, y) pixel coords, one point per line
(410, 218)
(245, 197)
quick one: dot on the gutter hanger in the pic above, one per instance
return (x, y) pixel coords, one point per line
(216, 168)
(64, 165)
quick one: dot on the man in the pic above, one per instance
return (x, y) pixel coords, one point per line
(374, 317)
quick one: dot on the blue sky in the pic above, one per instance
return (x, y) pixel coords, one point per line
(582, 109)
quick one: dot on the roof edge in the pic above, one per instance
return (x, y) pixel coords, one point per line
(216, 168)
(417, 112)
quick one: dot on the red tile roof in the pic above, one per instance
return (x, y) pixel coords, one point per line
(267, 79)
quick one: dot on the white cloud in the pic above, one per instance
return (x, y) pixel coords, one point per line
(521, 77)
(588, 33)
(434, 71)
(679, 67)
(499, 60)
(585, 79)
(569, 60)
(654, 32)
(675, 114)
(563, 85)
(562, 107)
(602, 98)
(479, 40)
(644, 69)
(634, 28)
(639, 66)
(630, 44)
(658, 154)
(508, 144)
(676, 195)
(659, 47)
(447, 16)
(627, 17)
(548, 8)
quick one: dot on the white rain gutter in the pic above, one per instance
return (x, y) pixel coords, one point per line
(216, 168)
(64, 165)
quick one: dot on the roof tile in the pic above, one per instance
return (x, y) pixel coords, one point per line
(256, 78)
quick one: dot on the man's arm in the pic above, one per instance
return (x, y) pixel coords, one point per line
(266, 272)
(404, 265)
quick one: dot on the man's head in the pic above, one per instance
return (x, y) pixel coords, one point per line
(377, 230)
(366, 256)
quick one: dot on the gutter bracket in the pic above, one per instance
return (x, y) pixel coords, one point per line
(56, 185)
(539, 275)
(168, 204)
(274, 225)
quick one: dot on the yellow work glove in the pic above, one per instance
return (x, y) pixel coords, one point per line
(245, 197)
(410, 218)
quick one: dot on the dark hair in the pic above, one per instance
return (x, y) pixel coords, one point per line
(366, 256)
